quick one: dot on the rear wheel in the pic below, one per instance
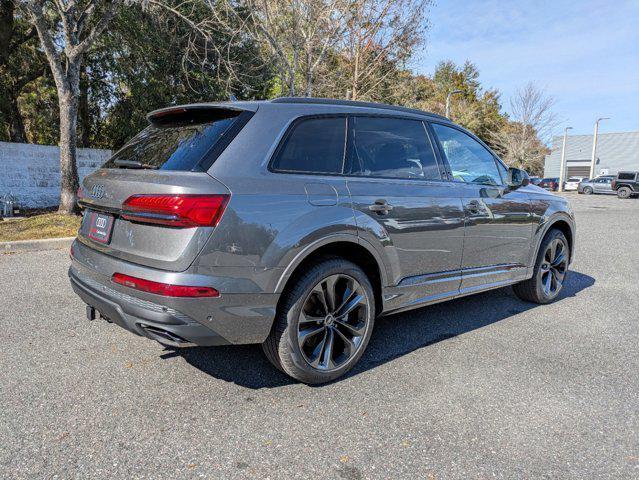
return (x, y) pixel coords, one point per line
(324, 322)
(624, 192)
(587, 190)
(550, 271)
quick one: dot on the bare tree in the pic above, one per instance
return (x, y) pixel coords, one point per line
(298, 33)
(522, 141)
(380, 36)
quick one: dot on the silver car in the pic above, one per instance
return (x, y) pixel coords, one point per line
(294, 223)
(600, 184)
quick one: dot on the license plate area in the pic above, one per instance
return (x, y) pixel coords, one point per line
(100, 226)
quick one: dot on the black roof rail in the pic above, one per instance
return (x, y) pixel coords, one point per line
(355, 103)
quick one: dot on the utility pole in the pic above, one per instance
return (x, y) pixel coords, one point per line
(450, 94)
(562, 172)
(593, 159)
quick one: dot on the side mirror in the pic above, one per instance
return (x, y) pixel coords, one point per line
(517, 178)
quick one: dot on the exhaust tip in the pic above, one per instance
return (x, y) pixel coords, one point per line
(165, 337)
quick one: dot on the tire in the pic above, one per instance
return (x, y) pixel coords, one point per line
(536, 289)
(624, 192)
(292, 346)
(587, 190)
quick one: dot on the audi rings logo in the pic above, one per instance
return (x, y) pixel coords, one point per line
(97, 191)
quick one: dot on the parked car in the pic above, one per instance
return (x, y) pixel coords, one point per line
(295, 222)
(573, 183)
(626, 184)
(596, 185)
(551, 184)
(535, 180)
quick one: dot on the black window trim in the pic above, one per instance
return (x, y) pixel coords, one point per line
(449, 171)
(293, 123)
(227, 137)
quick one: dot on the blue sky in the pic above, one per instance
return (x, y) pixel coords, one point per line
(585, 54)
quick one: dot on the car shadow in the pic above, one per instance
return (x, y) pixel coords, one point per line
(393, 336)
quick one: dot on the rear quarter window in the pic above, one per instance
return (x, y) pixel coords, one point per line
(626, 176)
(313, 145)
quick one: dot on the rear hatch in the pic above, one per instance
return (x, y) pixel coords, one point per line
(152, 203)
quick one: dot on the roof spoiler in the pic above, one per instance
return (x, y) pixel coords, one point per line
(197, 109)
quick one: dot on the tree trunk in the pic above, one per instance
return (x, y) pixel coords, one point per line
(355, 79)
(69, 182)
(83, 110)
(309, 73)
(16, 123)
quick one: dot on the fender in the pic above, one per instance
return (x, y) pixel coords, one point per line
(312, 247)
(544, 226)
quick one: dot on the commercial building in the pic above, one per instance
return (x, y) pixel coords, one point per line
(615, 152)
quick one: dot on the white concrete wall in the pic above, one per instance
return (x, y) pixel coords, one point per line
(31, 173)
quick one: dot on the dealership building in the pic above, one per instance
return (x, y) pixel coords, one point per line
(615, 152)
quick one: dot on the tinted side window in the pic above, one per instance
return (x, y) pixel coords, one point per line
(626, 176)
(315, 145)
(468, 159)
(392, 147)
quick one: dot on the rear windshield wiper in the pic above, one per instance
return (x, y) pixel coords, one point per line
(134, 164)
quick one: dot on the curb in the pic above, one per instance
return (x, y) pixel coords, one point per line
(36, 245)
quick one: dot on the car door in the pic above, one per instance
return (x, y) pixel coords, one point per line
(498, 219)
(602, 185)
(402, 203)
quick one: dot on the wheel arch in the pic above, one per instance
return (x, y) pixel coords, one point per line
(347, 247)
(565, 225)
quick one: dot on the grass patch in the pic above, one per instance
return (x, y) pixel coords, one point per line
(48, 225)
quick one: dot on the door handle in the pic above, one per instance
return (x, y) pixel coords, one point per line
(381, 207)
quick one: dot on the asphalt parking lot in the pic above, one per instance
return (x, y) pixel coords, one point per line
(482, 387)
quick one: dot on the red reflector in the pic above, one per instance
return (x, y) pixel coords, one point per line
(169, 111)
(176, 210)
(164, 289)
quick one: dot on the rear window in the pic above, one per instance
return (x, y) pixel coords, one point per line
(626, 176)
(179, 144)
(314, 145)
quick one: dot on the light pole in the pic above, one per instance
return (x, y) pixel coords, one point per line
(450, 94)
(593, 160)
(562, 172)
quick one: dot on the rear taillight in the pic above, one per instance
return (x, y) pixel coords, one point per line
(176, 210)
(164, 289)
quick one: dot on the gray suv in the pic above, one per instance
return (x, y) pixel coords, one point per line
(294, 223)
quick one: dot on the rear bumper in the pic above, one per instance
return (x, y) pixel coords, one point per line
(237, 316)
(166, 325)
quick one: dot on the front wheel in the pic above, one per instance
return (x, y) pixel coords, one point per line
(551, 269)
(587, 191)
(324, 322)
(624, 192)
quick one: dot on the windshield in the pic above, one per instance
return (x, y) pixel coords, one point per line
(173, 146)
